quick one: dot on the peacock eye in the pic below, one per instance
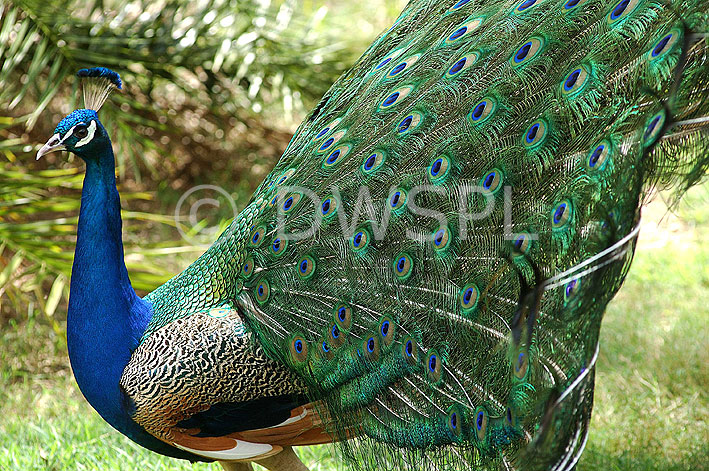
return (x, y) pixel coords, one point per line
(81, 131)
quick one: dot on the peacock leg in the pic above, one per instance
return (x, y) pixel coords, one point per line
(236, 465)
(286, 460)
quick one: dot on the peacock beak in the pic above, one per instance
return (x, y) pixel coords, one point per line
(53, 144)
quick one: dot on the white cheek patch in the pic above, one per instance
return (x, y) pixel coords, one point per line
(67, 135)
(89, 136)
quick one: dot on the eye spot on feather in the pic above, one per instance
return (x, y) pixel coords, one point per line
(291, 202)
(536, 134)
(463, 30)
(343, 316)
(328, 144)
(660, 46)
(263, 291)
(396, 97)
(527, 52)
(370, 347)
(457, 34)
(653, 128)
(525, 5)
(397, 69)
(571, 289)
(481, 420)
(457, 66)
(462, 64)
(403, 266)
(575, 81)
(332, 158)
(326, 130)
(306, 267)
(372, 162)
(455, 422)
(434, 370)
(285, 176)
(665, 45)
(522, 52)
(403, 66)
(439, 168)
(278, 246)
(336, 156)
(621, 11)
(256, 236)
(387, 330)
(468, 298)
(561, 214)
(335, 337)
(492, 181)
(383, 63)
(459, 4)
(360, 240)
(328, 207)
(571, 4)
(397, 200)
(521, 365)
(482, 111)
(409, 123)
(247, 269)
(298, 349)
(598, 156)
(387, 60)
(571, 80)
(410, 351)
(322, 133)
(441, 239)
(325, 351)
(521, 244)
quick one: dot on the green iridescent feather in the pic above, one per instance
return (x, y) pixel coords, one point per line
(573, 111)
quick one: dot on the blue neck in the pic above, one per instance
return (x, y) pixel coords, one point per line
(106, 317)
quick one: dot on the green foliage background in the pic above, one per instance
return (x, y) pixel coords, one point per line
(212, 92)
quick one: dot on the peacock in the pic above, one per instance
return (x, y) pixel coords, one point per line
(422, 277)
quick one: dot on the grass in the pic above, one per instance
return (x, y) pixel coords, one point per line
(651, 400)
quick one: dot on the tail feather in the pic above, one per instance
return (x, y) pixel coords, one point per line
(428, 339)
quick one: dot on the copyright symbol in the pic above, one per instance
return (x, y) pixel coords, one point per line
(199, 212)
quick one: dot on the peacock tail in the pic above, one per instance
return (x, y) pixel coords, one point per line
(433, 253)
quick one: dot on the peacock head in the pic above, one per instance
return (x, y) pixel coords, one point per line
(81, 132)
